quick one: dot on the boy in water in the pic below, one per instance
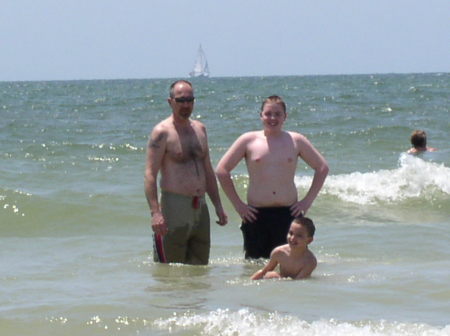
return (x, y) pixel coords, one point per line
(419, 143)
(295, 259)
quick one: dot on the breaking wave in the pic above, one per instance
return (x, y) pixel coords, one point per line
(414, 178)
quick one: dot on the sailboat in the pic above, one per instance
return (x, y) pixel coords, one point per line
(201, 68)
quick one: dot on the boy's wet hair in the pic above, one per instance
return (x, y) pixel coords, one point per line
(274, 100)
(307, 223)
(419, 139)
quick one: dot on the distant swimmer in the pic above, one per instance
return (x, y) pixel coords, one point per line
(271, 155)
(295, 259)
(178, 148)
(419, 143)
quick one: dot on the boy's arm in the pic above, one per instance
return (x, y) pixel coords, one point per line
(273, 262)
(317, 162)
(223, 171)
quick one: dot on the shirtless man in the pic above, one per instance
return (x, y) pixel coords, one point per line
(271, 156)
(178, 147)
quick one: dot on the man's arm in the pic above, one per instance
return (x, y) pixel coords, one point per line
(156, 148)
(211, 186)
(223, 171)
(317, 162)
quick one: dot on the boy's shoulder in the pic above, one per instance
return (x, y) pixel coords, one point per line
(252, 135)
(310, 257)
(247, 137)
(281, 250)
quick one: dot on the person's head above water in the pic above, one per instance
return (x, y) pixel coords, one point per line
(419, 139)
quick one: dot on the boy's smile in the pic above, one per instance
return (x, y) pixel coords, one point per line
(273, 115)
(298, 236)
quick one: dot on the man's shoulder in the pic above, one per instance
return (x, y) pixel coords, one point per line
(163, 125)
(197, 124)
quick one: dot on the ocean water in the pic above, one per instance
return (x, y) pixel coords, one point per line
(75, 236)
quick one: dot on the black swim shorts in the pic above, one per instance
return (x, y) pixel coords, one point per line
(268, 231)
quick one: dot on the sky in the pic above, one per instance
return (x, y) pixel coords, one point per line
(112, 39)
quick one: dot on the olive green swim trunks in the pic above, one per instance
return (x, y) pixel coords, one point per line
(188, 240)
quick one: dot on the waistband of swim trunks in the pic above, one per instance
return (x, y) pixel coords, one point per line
(187, 197)
(274, 209)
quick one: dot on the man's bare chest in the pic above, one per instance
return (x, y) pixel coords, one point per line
(184, 147)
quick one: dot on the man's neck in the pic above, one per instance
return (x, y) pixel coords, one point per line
(180, 121)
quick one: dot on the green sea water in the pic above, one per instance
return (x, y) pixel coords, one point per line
(75, 237)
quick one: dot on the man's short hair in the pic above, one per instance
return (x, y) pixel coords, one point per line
(274, 100)
(172, 86)
(307, 223)
(419, 139)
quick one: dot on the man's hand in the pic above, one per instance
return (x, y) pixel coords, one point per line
(223, 219)
(159, 224)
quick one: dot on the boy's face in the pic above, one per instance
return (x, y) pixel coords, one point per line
(273, 116)
(298, 236)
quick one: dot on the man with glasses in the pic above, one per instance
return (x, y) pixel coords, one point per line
(178, 147)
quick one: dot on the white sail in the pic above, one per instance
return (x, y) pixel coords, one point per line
(201, 68)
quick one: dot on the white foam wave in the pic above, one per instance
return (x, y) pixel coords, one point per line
(245, 323)
(413, 178)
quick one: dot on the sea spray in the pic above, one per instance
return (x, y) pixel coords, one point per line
(413, 178)
(247, 323)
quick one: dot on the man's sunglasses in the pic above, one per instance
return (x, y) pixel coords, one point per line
(184, 99)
